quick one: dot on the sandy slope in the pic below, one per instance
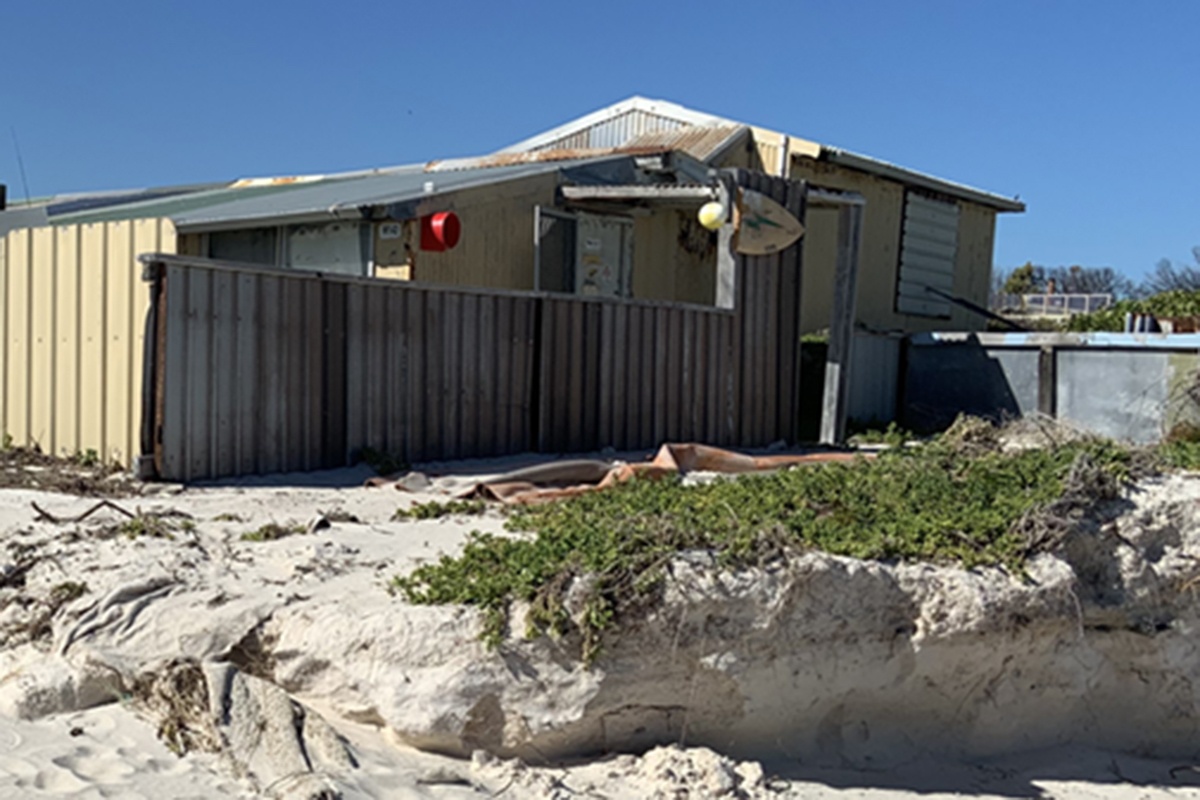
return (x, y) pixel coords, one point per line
(112, 750)
(109, 752)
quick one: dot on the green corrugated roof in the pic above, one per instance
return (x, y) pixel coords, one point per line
(171, 206)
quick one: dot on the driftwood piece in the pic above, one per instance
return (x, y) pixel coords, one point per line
(45, 516)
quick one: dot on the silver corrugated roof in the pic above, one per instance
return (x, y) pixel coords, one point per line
(701, 143)
(167, 206)
(31, 217)
(247, 204)
(346, 198)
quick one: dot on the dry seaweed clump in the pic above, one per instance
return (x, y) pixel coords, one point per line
(959, 498)
(273, 532)
(36, 624)
(177, 697)
(972, 436)
(1091, 492)
(81, 474)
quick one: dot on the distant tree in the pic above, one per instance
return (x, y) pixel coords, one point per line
(1032, 278)
(996, 290)
(1090, 280)
(1026, 279)
(1168, 277)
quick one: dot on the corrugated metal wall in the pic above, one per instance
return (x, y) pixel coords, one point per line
(268, 371)
(73, 315)
(880, 257)
(874, 378)
(434, 373)
(631, 374)
(496, 248)
(1130, 387)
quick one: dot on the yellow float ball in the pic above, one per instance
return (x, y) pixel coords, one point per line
(712, 215)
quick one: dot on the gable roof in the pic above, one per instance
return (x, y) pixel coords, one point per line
(616, 125)
(625, 122)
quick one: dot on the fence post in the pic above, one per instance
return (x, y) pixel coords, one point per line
(1047, 381)
(841, 331)
(148, 463)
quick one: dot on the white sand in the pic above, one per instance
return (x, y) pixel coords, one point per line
(112, 751)
(114, 754)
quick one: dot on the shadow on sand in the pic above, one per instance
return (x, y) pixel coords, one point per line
(1036, 774)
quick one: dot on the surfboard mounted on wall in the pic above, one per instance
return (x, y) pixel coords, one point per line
(764, 226)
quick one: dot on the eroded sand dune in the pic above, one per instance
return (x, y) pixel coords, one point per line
(285, 668)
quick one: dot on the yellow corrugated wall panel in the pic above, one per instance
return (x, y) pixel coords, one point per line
(17, 373)
(41, 341)
(66, 340)
(879, 254)
(972, 269)
(496, 249)
(117, 345)
(91, 337)
(73, 314)
(4, 333)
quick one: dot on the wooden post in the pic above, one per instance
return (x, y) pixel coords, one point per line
(1047, 381)
(841, 329)
(727, 259)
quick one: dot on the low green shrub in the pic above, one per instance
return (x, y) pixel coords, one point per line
(273, 531)
(156, 526)
(938, 502)
(435, 510)
(1177, 303)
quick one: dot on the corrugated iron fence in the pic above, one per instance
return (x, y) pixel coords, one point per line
(261, 371)
(72, 316)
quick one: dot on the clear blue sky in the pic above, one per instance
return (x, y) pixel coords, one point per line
(1087, 109)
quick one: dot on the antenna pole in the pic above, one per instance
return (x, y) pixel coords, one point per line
(20, 163)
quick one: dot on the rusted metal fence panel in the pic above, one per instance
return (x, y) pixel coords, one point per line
(629, 374)
(435, 373)
(270, 371)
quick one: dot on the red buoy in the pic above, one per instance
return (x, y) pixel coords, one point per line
(440, 231)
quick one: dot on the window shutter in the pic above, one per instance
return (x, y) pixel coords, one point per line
(928, 247)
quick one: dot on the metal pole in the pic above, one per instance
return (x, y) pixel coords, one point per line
(841, 330)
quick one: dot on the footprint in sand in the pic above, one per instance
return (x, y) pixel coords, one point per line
(59, 781)
(19, 768)
(100, 768)
(10, 739)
